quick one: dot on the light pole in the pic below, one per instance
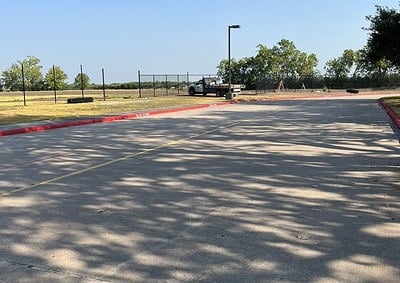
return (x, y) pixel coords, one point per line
(229, 94)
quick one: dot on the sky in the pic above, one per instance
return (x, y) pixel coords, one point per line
(173, 36)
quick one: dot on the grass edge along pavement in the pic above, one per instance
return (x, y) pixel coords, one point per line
(392, 108)
(390, 104)
(111, 118)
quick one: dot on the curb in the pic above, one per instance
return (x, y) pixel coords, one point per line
(65, 124)
(395, 118)
(52, 126)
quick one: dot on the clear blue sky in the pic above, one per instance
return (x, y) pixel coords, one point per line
(173, 36)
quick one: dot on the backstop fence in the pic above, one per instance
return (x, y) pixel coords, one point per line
(167, 84)
(377, 82)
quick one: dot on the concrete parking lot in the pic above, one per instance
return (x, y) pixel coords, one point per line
(284, 191)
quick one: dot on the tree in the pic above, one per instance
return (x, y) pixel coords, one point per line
(283, 61)
(341, 67)
(85, 81)
(384, 37)
(243, 71)
(335, 68)
(287, 55)
(12, 77)
(266, 62)
(306, 65)
(58, 80)
(380, 72)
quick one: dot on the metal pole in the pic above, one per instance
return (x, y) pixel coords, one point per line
(166, 84)
(23, 82)
(154, 86)
(54, 85)
(187, 80)
(229, 63)
(229, 60)
(177, 76)
(82, 82)
(104, 86)
(140, 89)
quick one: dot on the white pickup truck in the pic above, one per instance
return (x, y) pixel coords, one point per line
(213, 85)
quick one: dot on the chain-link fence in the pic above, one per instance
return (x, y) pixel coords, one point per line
(153, 85)
(147, 85)
(167, 84)
(274, 84)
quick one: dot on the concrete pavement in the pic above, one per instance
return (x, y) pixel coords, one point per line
(285, 191)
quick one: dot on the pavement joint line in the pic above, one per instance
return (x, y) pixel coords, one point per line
(129, 156)
(52, 180)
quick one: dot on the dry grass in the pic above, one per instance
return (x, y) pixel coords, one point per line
(394, 103)
(41, 105)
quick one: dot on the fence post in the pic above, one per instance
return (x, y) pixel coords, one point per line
(166, 84)
(104, 86)
(23, 82)
(312, 84)
(154, 86)
(187, 80)
(177, 76)
(54, 85)
(140, 87)
(82, 81)
(256, 85)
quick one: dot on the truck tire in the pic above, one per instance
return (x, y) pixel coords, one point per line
(192, 91)
(220, 93)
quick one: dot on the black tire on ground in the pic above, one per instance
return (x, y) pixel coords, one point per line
(352, 90)
(80, 100)
(192, 91)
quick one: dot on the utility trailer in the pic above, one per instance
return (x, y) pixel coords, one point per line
(213, 85)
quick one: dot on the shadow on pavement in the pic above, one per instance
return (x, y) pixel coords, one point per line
(294, 191)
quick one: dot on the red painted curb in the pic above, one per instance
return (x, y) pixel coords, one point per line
(395, 118)
(46, 127)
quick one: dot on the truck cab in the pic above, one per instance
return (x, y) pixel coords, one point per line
(203, 86)
(197, 87)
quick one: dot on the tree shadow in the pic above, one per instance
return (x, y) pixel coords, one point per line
(293, 191)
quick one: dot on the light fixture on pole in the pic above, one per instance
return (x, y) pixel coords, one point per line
(229, 94)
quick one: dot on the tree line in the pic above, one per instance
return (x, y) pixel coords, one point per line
(296, 69)
(56, 78)
(28, 72)
(375, 65)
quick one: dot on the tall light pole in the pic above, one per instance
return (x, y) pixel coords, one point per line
(229, 94)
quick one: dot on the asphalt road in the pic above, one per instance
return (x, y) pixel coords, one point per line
(285, 191)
